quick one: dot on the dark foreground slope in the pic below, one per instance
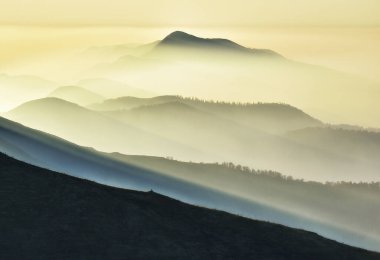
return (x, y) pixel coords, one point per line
(46, 215)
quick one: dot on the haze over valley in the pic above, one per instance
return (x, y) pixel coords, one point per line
(276, 122)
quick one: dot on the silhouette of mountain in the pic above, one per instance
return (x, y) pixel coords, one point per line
(73, 218)
(197, 134)
(180, 39)
(77, 95)
(271, 117)
(221, 69)
(128, 102)
(319, 201)
(246, 133)
(237, 191)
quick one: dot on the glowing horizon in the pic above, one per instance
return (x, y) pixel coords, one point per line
(191, 13)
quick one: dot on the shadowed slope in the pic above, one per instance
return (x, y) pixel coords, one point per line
(193, 130)
(56, 154)
(343, 204)
(73, 218)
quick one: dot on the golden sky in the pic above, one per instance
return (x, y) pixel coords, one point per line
(340, 34)
(191, 12)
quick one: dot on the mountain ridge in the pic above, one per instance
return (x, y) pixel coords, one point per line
(84, 126)
(77, 94)
(248, 111)
(200, 71)
(59, 155)
(126, 224)
(182, 39)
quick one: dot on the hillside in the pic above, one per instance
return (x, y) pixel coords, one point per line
(343, 205)
(74, 218)
(76, 95)
(86, 127)
(253, 134)
(128, 102)
(291, 203)
(357, 143)
(193, 130)
(271, 117)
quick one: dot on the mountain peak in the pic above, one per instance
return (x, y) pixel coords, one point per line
(179, 35)
(180, 39)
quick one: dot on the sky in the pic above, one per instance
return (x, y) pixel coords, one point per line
(340, 34)
(191, 12)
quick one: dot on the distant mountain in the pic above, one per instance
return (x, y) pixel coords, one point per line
(235, 190)
(112, 88)
(128, 102)
(247, 134)
(354, 127)
(192, 132)
(223, 70)
(89, 128)
(17, 89)
(77, 95)
(111, 52)
(271, 117)
(355, 143)
(184, 40)
(73, 218)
